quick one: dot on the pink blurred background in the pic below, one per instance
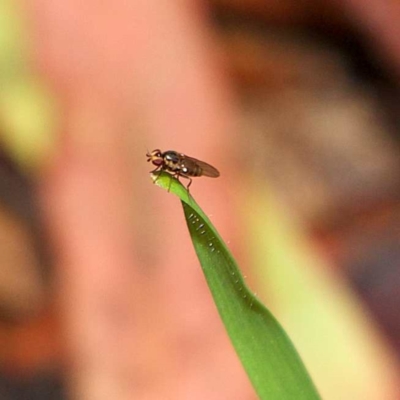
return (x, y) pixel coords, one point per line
(296, 103)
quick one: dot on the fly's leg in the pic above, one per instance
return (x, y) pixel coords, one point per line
(170, 183)
(175, 175)
(188, 185)
(155, 170)
(186, 177)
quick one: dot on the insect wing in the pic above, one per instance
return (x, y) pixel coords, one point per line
(206, 169)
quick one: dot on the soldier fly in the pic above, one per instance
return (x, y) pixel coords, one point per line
(180, 165)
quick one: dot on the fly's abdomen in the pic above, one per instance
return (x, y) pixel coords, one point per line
(196, 171)
(190, 168)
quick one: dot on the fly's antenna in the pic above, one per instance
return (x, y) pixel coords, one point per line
(147, 154)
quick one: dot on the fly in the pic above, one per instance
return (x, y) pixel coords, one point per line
(180, 165)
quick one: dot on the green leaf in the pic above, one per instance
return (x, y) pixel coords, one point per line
(267, 354)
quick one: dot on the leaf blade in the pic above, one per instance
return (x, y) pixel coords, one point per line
(267, 354)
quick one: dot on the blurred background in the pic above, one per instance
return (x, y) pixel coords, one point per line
(297, 103)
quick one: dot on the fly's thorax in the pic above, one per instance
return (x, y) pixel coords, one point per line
(172, 160)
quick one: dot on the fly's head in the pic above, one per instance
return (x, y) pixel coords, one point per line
(155, 157)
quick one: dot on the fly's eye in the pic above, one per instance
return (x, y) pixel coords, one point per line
(156, 153)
